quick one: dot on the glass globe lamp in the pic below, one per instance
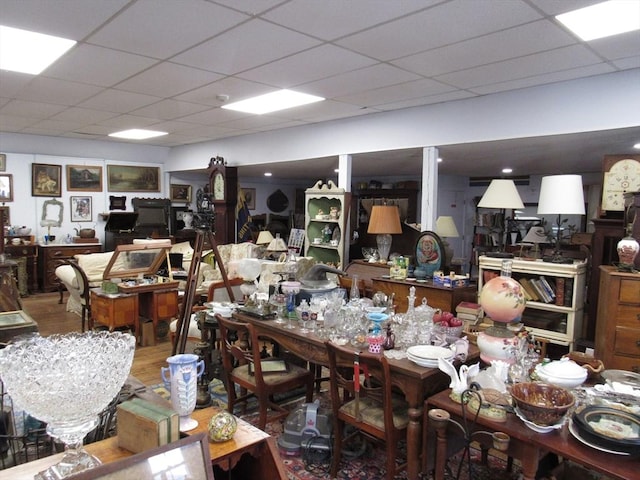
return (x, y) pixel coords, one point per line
(66, 381)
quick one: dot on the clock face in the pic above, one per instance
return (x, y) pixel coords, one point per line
(218, 187)
(624, 176)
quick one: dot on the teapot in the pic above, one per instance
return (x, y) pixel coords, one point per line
(85, 232)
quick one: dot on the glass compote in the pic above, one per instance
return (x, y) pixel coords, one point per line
(279, 301)
(66, 381)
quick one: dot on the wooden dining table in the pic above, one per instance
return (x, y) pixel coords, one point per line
(416, 382)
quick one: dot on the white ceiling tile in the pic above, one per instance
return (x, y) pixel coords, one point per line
(308, 66)
(441, 25)
(235, 88)
(11, 123)
(404, 91)
(428, 100)
(375, 76)
(162, 28)
(168, 79)
(98, 65)
(61, 92)
(12, 82)
(627, 63)
(330, 19)
(618, 46)
(118, 101)
(554, 7)
(168, 109)
(244, 47)
(124, 122)
(250, 7)
(213, 117)
(327, 110)
(514, 42)
(22, 108)
(537, 64)
(83, 115)
(57, 125)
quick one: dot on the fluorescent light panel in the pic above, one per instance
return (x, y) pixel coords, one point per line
(603, 19)
(30, 52)
(272, 102)
(137, 134)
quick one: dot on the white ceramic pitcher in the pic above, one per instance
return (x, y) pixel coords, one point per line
(181, 379)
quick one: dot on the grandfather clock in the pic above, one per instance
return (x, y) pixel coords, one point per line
(223, 186)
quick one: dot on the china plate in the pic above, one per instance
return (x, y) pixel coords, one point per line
(622, 376)
(535, 427)
(212, 305)
(423, 363)
(574, 431)
(429, 352)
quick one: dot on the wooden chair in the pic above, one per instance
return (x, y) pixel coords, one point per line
(243, 366)
(84, 291)
(375, 411)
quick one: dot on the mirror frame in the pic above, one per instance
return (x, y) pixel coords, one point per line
(48, 221)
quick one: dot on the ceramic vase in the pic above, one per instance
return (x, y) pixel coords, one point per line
(181, 379)
(628, 249)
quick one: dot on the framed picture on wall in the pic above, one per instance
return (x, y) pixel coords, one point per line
(3, 162)
(81, 209)
(45, 180)
(6, 187)
(124, 178)
(84, 178)
(250, 197)
(180, 193)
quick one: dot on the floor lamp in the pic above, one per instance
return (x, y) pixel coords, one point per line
(561, 194)
(384, 222)
(501, 194)
(446, 228)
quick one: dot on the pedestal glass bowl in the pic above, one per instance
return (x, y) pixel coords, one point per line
(66, 381)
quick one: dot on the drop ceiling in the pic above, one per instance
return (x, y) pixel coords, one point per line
(170, 65)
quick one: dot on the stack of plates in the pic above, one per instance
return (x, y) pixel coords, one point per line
(428, 355)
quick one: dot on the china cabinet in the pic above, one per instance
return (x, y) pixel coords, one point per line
(326, 216)
(556, 315)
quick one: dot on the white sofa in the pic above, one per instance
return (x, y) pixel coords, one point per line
(94, 265)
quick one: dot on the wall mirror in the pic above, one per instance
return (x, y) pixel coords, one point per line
(52, 213)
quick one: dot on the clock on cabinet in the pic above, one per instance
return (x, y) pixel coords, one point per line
(223, 185)
(621, 174)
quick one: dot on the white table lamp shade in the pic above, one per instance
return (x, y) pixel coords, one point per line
(561, 194)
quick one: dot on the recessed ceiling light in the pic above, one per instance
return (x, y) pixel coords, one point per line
(267, 174)
(603, 19)
(439, 159)
(637, 145)
(137, 134)
(507, 170)
(272, 102)
(30, 52)
(336, 170)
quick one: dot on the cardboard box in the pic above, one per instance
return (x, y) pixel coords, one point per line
(143, 425)
(451, 281)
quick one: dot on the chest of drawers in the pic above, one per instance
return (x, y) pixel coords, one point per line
(618, 321)
(49, 257)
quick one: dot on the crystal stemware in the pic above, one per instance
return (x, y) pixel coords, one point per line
(66, 381)
(278, 300)
(290, 289)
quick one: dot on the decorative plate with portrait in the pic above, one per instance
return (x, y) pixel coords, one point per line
(429, 252)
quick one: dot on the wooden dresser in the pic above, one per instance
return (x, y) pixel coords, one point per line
(49, 257)
(618, 321)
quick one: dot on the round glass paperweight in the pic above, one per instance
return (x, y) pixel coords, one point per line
(66, 381)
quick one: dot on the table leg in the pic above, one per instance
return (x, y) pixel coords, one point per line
(414, 439)
(529, 461)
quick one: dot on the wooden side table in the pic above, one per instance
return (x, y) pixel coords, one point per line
(115, 310)
(159, 305)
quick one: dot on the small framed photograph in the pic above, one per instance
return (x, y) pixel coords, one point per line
(81, 209)
(7, 219)
(117, 203)
(45, 180)
(6, 187)
(3, 162)
(250, 197)
(84, 178)
(180, 193)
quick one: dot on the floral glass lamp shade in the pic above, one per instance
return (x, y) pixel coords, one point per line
(561, 194)
(501, 194)
(446, 228)
(384, 222)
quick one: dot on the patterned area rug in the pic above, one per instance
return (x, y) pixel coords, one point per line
(361, 461)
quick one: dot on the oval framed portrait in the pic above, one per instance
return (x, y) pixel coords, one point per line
(429, 252)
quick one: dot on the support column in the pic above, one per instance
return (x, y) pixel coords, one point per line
(429, 189)
(344, 181)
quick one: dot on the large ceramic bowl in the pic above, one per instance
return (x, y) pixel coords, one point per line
(541, 403)
(610, 428)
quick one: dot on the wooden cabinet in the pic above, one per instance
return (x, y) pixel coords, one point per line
(326, 211)
(446, 299)
(559, 320)
(28, 252)
(618, 322)
(115, 310)
(49, 257)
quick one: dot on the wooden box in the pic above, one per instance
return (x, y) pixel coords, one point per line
(143, 425)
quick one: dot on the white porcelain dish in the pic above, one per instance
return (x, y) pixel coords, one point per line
(565, 382)
(538, 428)
(423, 363)
(429, 352)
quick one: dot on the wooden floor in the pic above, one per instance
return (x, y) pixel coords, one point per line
(53, 318)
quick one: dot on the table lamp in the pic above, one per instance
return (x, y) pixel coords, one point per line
(501, 194)
(561, 194)
(264, 239)
(384, 222)
(277, 245)
(446, 228)
(534, 236)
